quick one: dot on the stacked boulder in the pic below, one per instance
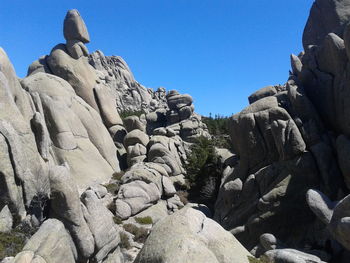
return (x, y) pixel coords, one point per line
(135, 141)
(273, 140)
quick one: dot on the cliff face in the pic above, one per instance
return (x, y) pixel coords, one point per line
(291, 139)
(98, 188)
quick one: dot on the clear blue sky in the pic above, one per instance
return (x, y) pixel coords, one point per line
(219, 51)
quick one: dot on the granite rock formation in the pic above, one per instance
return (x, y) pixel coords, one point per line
(98, 188)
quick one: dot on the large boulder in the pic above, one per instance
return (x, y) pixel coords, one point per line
(101, 225)
(65, 205)
(193, 238)
(326, 16)
(76, 130)
(50, 244)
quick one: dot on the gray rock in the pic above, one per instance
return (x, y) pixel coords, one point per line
(325, 17)
(99, 190)
(331, 57)
(186, 112)
(136, 196)
(177, 101)
(101, 224)
(66, 206)
(262, 93)
(290, 256)
(134, 137)
(74, 27)
(268, 241)
(107, 106)
(157, 212)
(76, 49)
(39, 65)
(42, 135)
(160, 131)
(8, 260)
(203, 240)
(320, 205)
(168, 187)
(76, 130)
(132, 123)
(130, 95)
(51, 243)
(340, 222)
(296, 64)
(343, 150)
(23, 170)
(6, 220)
(78, 72)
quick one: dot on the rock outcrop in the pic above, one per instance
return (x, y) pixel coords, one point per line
(290, 139)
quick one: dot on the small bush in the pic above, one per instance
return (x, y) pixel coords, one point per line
(12, 243)
(140, 233)
(124, 241)
(117, 220)
(111, 207)
(218, 127)
(183, 195)
(144, 220)
(112, 188)
(203, 172)
(202, 154)
(256, 260)
(118, 175)
(125, 114)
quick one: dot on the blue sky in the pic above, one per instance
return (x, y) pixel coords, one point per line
(219, 51)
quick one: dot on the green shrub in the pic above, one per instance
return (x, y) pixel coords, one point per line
(183, 195)
(117, 220)
(112, 188)
(13, 242)
(218, 128)
(202, 154)
(111, 207)
(125, 114)
(217, 125)
(124, 241)
(140, 233)
(256, 260)
(147, 220)
(118, 175)
(203, 172)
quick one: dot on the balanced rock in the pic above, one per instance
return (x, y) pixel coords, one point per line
(74, 27)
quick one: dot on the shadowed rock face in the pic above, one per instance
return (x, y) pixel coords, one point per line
(326, 16)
